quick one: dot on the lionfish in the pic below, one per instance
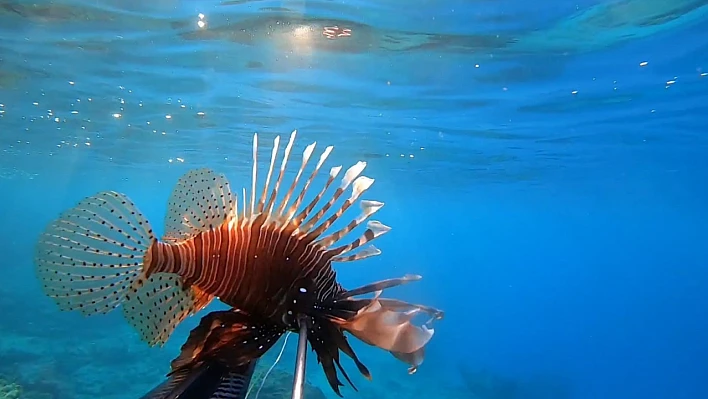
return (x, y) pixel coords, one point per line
(269, 260)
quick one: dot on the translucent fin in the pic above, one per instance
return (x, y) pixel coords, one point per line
(160, 305)
(379, 286)
(273, 156)
(305, 159)
(245, 205)
(296, 205)
(306, 212)
(401, 306)
(363, 254)
(255, 171)
(387, 323)
(374, 230)
(274, 193)
(391, 330)
(368, 209)
(347, 180)
(94, 253)
(201, 200)
(201, 299)
(303, 218)
(414, 359)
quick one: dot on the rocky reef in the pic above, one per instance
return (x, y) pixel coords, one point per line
(9, 390)
(12, 390)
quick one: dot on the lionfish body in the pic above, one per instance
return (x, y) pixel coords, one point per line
(270, 261)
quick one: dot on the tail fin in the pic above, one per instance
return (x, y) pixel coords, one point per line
(211, 380)
(96, 256)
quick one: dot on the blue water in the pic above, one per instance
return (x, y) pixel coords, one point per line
(543, 165)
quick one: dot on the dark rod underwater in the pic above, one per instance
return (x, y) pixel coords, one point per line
(299, 378)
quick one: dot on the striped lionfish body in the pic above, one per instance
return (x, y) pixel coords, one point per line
(269, 260)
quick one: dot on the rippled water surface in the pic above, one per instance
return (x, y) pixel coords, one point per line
(449, 85)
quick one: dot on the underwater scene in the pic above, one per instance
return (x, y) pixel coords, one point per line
(454, 199)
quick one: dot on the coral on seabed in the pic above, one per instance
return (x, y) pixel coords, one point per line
(9, 390)
(13, 390)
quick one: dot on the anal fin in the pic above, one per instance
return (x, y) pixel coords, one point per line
(160, 304)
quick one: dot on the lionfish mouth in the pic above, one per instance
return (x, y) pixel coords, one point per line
(268, 258)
